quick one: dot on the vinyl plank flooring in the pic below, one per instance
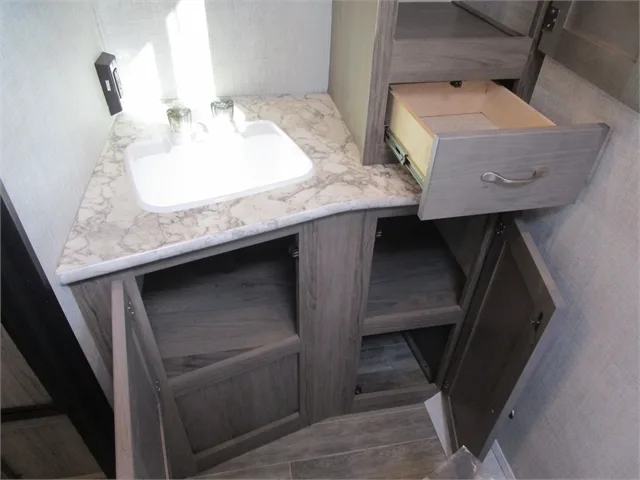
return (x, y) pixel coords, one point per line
(281, 471)
(406, 460)
(354, 432)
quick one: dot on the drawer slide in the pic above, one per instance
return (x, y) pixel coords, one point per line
(401, 154)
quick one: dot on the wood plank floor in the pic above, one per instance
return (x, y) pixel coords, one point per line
(393, 443)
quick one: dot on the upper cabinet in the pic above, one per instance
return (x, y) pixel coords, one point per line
(599, 41)
(434, 99)
(442, 41)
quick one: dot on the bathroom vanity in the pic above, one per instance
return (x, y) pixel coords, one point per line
(232, 325)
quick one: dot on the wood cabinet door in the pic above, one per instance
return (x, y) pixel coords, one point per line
(139, 430)
(598, 40)
(503, 338)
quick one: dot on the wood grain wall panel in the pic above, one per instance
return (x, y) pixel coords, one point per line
(240, 404)
(20, 386)
(332, 281)
(47, 447)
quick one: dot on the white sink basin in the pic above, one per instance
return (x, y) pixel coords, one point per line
(169, 178)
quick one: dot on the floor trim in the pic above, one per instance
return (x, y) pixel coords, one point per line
(502, 461)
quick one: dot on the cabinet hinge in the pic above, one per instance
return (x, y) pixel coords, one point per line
(537, 321)
(157, 386)
(550, 18)
(500, 228)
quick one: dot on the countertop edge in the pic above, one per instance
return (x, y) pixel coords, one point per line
(75, 275)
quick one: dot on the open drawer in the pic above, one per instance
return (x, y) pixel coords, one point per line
(477, 148)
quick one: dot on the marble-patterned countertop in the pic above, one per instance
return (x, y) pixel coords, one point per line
(111, 232)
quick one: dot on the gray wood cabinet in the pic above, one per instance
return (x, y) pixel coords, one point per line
(467, 133)
(459, 305)
(237, 345)
(598, 40)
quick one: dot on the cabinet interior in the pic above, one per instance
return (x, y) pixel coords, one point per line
(398, 360)
(428, 20)
(413, 274)
(212, 309)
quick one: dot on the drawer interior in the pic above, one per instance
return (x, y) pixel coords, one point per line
(212, 309)
(418, 112)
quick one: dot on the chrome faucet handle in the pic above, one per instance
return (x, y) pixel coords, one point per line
(224, 108)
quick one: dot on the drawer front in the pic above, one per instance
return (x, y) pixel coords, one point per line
(495, 171)
(434, 60)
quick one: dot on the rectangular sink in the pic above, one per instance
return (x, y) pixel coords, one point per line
(170, 178)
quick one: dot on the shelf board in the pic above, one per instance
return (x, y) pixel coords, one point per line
(413, 274)
(394, 398)
(397, 322)
(211, 310)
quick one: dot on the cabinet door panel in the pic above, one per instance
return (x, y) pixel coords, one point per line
(140, 448)
(598, 40)
(502, 340)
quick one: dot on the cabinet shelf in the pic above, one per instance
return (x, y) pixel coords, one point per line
(415, 281)
(214, 309)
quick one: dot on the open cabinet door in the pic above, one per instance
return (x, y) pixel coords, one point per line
(504, 336)
(139, 431)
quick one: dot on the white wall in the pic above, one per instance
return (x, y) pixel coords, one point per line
(579, 415)
(54, 123)
(172, 48)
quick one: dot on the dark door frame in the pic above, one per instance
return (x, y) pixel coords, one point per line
(34, 320)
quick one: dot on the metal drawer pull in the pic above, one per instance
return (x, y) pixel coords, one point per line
(493, 177)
